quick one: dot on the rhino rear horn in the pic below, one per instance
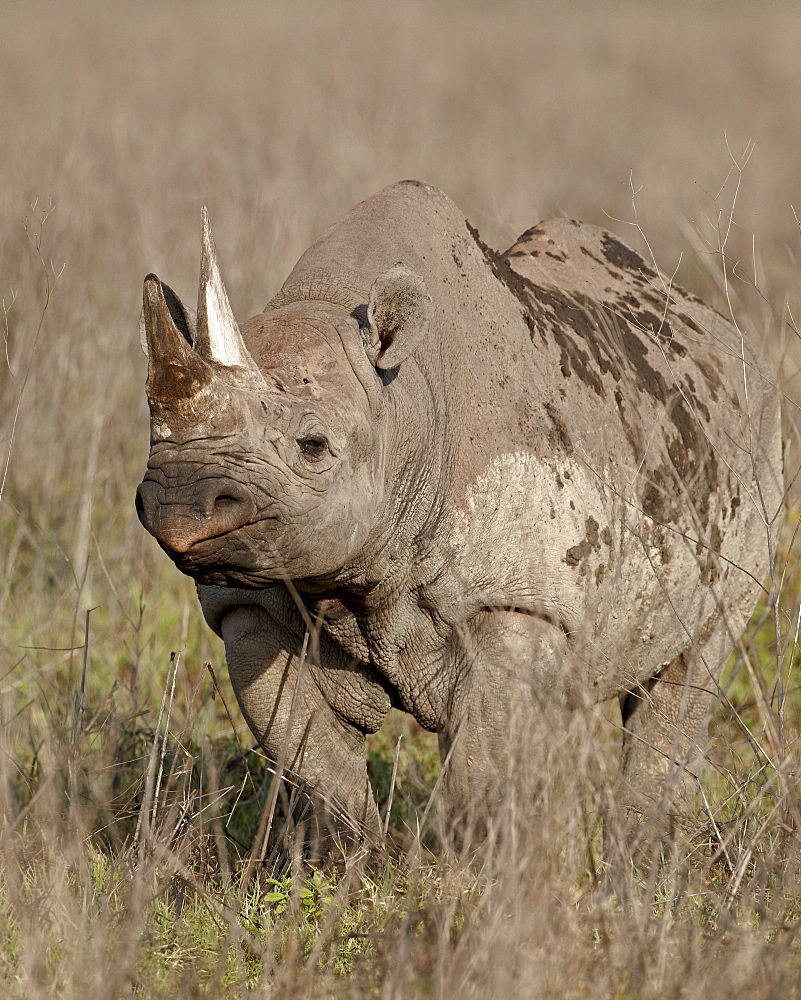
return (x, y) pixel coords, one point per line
(218, 337)
(398, 315)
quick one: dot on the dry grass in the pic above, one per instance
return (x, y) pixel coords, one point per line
(118, 122)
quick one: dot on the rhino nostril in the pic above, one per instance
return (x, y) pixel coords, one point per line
(225, 500)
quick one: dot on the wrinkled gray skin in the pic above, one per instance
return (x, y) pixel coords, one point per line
(488, 484)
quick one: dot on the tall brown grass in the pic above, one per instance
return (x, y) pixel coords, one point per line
(120, 863)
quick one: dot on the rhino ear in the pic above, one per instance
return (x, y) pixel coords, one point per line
(182, 315)
(398, 316)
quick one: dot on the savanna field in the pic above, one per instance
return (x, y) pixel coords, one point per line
(144, 850)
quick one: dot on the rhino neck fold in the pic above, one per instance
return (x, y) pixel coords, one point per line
(319, 285)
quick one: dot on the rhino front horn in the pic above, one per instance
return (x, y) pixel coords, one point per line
(175, 373)
(218, 338)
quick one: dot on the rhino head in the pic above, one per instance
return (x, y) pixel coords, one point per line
(268, 464)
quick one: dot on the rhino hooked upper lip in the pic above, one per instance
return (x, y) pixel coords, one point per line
(213, 508)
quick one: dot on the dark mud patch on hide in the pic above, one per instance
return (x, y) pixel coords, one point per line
(711, 565)
(578, 554)
(694, 461)
(685, 484)
(594, 340)
(559, 428)
(593, 258)
(708, 555)
(612, 340)
(713, 381)
(624, 257)
(695, 401)
(633, 430)
(690, 323)
(659, 327)
(573, 359)
(659, 497)
(692, 297)
(572, 313)
(519, 286)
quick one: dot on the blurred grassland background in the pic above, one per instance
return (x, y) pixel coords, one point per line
(118, 121)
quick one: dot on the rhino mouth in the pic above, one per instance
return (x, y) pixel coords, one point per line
(221, 563)
(229, 576)
(234, 558)
(228, 556)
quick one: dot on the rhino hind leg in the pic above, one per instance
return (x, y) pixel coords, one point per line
(665, 738)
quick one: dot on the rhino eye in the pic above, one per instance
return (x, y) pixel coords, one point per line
(313, 447)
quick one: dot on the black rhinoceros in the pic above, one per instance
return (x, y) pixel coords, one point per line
(481, 482)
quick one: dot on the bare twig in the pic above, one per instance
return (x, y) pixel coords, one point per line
(392, 784)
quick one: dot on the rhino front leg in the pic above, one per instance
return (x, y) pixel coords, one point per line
(279, 692)
(505, 704)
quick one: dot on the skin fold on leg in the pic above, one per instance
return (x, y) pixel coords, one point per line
(310, 710)
(507, 699)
